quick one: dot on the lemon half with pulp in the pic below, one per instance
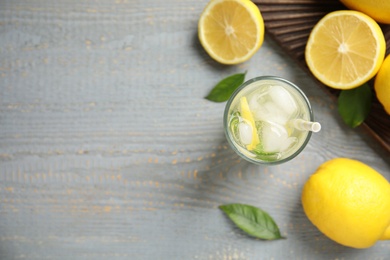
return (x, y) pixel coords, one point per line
(345, 49)
(231, 31)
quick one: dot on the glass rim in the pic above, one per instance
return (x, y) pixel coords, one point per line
(226, 124)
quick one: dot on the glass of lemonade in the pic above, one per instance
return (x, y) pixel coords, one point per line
(268, 120)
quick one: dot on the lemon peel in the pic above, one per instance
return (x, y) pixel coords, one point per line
(382, 85)
(349, 202)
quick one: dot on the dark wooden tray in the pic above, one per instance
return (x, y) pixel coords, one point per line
(289, 23)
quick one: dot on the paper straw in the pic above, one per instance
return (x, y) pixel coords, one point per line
(304, 125)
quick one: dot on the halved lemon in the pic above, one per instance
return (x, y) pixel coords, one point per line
(246, 114)
(382, 85)
(231, 31)
(345, 49)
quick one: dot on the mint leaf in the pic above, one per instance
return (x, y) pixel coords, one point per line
(354, 105)
(225, 88)
(252, 220)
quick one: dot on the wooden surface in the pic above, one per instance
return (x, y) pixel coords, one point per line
(108, 149)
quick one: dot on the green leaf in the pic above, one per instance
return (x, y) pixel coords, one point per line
(354, 105)
(225, 88)
(252, 220)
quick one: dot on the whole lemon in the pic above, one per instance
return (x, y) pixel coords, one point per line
(349, 202)
(379, 10)
(382, 84)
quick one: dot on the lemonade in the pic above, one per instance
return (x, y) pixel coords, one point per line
(268, 120)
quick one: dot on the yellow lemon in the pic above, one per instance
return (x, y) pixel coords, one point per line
(349, 202)
(231, 31)
(248, 117)
(379, 10)
(345, 49)
(382, 84)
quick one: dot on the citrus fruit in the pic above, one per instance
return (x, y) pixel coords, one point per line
(349, 202)
(345, 49)
(248, 117)
(231, 31)
(379, 10)
(382, 84)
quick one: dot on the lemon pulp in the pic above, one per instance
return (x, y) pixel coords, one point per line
(231, 31)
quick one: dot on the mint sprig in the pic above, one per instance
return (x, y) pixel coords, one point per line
(354, 105)
(225, 88)
(253, 221)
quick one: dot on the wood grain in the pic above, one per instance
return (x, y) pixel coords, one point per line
(108, 149)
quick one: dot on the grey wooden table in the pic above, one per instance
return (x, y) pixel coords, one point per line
(108, 149)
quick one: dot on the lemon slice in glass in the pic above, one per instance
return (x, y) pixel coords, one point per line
(246, 114)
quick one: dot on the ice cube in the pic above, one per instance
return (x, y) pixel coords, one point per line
(256, 100)
(245, 132)
(269, 111)
(274, 136)
(289, 142)
(283, 100)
